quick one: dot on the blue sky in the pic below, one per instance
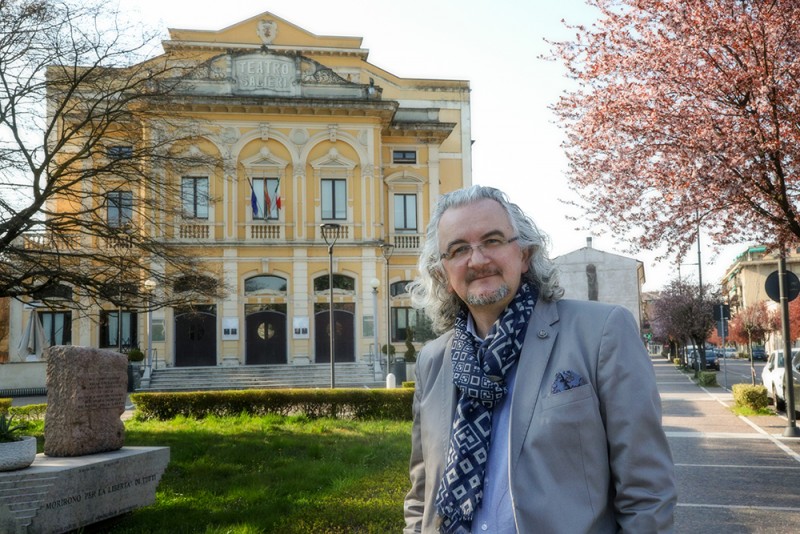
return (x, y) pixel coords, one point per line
(496, 46)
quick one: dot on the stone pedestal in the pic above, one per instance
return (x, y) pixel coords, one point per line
(57, 495)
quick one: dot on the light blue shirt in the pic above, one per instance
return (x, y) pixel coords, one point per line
(495, 513)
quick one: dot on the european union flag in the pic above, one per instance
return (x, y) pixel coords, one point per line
(253, 200)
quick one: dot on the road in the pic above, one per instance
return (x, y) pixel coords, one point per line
(738, 371)
(734, 474)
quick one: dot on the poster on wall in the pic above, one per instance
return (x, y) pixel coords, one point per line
(158, 330)
(300, 327)
(230, 328)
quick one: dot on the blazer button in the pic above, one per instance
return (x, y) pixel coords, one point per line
(542, 334)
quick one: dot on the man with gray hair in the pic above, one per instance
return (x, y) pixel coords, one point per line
(532, 413)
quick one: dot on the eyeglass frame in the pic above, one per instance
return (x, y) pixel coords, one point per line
(448, 255)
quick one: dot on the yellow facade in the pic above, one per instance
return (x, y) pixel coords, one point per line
(338, 140)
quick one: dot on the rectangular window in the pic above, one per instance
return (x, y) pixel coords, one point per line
(57, 327)
(120, 152)
(194, 197)
(420, 324)
(404, 156)
(119, 208)
(110, 329)
(334, 199)
(405, 212)
(266, 193)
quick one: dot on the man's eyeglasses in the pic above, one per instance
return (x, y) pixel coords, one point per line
(491, 245)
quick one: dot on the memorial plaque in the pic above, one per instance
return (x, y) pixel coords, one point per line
(58, 495)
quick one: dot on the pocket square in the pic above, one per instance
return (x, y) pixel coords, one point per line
(567, 380)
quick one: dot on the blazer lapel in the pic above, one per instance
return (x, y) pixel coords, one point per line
(536, 352)
(449, 393)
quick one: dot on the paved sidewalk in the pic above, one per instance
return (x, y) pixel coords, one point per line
(690, 408)
(735, 474)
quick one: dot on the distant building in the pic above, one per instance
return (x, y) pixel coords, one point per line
(591, 274)
(744, 282)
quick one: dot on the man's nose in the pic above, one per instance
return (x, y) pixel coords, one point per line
(477, 256)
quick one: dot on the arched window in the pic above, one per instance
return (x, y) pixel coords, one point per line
(340, 281)
(265, 284)
(54, 292)
(197, 282)
(399, 288)
(591, 280)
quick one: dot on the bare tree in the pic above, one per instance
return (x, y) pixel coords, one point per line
(88, 143)
(753, 324)
(682, 315)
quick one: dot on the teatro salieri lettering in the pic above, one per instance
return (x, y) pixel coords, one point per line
(264, 73)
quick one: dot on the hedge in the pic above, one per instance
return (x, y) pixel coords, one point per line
(342, 403)
(746, 395)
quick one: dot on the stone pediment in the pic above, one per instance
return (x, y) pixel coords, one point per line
(263, 29)
(264, 73)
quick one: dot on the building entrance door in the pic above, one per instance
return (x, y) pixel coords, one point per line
(265, 338)
(344, 336)
(196, 337)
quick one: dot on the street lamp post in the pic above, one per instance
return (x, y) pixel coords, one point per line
(150, 287)
(376, 357)
(330, 233)
(387, 249)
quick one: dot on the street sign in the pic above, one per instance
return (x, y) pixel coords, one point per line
(722, 311)
(722, 329)
(772, 286)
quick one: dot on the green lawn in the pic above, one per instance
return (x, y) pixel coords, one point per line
(274, 474)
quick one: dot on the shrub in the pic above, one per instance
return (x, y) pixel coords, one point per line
(342, 403)
(5, 404)
(135, 355)
(29, 412)
(408, 384)
(707, 378)
(677, 361)
(747, 396)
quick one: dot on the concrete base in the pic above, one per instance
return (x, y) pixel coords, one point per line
(56, 495)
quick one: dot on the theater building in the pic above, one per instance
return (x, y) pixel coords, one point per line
(306, 132)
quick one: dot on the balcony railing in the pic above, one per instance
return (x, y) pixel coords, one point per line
(343, 232)
(49, 241)
(406, 241)
(265, 232)
(194, 231)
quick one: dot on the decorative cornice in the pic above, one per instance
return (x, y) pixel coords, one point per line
(427, 132)
(383, 109)
(169, 46)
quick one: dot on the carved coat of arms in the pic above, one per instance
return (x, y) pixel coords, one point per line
(267, 30)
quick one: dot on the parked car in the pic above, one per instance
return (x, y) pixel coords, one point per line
(772, 376)
(693, 357)
(759, 353)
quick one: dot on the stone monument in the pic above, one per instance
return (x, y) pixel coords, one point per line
(86, 392)
(85, 474)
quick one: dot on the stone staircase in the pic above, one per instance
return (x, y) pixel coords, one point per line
(356, 375)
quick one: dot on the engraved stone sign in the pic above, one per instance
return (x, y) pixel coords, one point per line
(86, 391)
(264, 73)
(58, 495)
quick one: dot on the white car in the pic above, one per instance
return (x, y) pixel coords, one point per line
(772, 377)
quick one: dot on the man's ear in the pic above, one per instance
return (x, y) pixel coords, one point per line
(526, 257)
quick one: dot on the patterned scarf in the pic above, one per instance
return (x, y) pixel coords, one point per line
(479, 370)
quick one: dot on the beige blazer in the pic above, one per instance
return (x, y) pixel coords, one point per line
(592, 459)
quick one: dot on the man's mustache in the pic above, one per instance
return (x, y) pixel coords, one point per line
(473, 275)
